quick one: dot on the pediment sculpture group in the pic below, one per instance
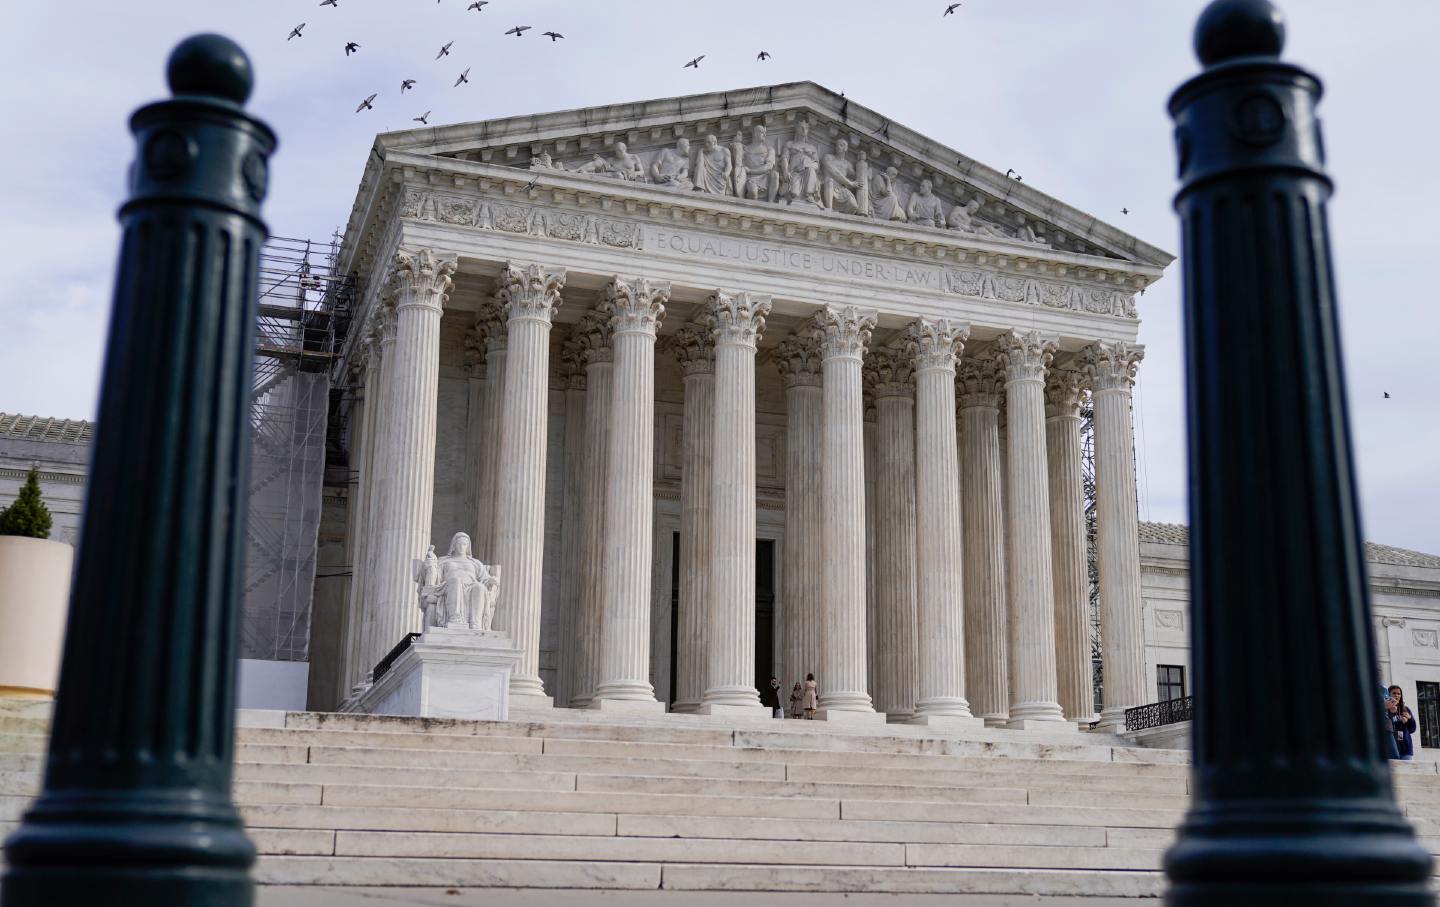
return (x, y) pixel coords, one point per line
(456, 591)
(797, 173)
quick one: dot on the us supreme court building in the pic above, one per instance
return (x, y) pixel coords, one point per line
(738, 385)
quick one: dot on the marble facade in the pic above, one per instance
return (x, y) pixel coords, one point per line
(681, 318)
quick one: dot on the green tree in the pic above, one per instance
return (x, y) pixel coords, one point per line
(28, 516)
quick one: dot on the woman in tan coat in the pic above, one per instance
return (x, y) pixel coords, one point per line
(811, 696)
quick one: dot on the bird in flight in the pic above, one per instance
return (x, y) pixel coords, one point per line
(478, 6)
(295, 32)
(950, 10)
(1011, 174)
(334, 3)
(423, 118)
(518, 31)
(1124, 210)
(884, 129)
(407, 85)
(444, 51)
(762, 55)
(351, 47)
(552, 35)
(464, 77)
(1387, 394)
(365, 104)
(695, 63)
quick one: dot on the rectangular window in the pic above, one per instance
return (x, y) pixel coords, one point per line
(1170, 680)
(1427, 695)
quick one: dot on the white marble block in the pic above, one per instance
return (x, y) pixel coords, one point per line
(448, 673)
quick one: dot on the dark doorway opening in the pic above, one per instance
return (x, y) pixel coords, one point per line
(764, 612)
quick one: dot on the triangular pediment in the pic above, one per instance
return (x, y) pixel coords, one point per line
(819, 152)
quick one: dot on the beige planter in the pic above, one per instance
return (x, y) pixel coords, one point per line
(34, 601)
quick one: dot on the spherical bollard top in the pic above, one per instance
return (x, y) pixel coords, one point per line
(210, 65)
(1239, 28)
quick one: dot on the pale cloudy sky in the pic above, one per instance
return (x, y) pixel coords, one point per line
(1071, 94)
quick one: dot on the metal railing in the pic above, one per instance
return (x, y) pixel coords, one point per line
(1159, 714)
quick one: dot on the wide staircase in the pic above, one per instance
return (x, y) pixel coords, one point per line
(581, 801)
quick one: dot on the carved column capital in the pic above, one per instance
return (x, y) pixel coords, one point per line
(935, 343)
(694, 345)
(1111, 365)
(637, 304)
(421, 278)
(981, 382)
(573, 358)
(889, 372)
(845, 331)
(530, 291)
(490, 321)
(1025, 354)
(1063, 389)
(475, 350)
(798, 357)
(739, 317)
(382, 322)
(593, 334)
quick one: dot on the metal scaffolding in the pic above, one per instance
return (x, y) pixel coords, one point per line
(301, 301)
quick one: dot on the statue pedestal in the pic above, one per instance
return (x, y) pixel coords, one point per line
(447, 673)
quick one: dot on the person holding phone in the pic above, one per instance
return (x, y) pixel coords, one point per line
(1402, 723)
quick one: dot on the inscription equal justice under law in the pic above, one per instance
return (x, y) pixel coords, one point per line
(791, 258)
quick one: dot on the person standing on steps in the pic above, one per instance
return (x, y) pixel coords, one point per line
(770, 698)
(1402, 723)
(797, 700)
(812, 696)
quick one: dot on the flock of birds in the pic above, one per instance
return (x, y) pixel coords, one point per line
(352, 47)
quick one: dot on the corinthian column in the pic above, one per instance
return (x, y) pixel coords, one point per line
(987, 666)
(846, 332)
(367, 644)
(362, 445)
(1067, 544)
(798, 358)
(936, 346)
(421, 282)
(730, 642)
(573, 354)
(1032, 592)
(491, 324)
(1110, 368)
(638, 305)
(529, 295)
(890, 376)
(694, 348)
(475, 372)
(593, 335)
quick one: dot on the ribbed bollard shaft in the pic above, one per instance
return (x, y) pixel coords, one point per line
(1299, 811)
(1032, 592)
(1068, 546)
(1110, 369)
(421, 282)
(594, 332)
(491, 321)
(890, 376)
(987, 667)
(136, 804)
(730, 642)
(940, 599)
(529, 294)
(798, 357)
(638, 305)
(846, 333)
(694, 348)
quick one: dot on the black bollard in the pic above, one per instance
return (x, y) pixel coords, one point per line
(1292, 794)
(136, 806)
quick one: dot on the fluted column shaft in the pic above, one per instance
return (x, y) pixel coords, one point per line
(492, 405)
(987, 666)
(369, 644)
(1111, 368)
(893, 644)
(595, 326)
(408, 494)
(1032, 592)
(940, 596)
(1067, 545)
(566, 673)
(352, 667)
(842, 684)
(694, 347)
(474, 468)
(529, 295)
(798, 358)
(638, 305)
(730, 641)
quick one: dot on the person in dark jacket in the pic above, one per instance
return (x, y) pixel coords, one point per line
(770, 698)
(1402, 723)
